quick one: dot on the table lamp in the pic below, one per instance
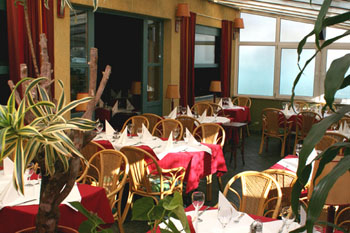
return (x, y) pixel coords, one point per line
(339, 194)
(215, 86)
(172, 92)
(136, 88)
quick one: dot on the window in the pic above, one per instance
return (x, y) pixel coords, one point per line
(267, 59)
(206, 58)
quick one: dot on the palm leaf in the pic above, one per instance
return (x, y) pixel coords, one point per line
(44, 97)
(62, 99)
(19, 165)
(72, 105)
(65, 140)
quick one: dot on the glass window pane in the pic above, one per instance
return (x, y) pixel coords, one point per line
(292, 31)
(333, 54)
(258, 28)
(153, 41)
(289, 71)
(79, 81)
(78, 37)
(256, 70)
(204, 49)
(333, 32)
(153, 88)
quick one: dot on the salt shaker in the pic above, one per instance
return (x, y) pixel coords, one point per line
(256, 226)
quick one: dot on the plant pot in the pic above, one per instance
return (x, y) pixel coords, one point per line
(60, 229)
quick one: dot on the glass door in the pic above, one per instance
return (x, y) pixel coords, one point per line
(152, 80)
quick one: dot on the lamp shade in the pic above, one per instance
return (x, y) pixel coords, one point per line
(215, 86)
(172, 92)
(182, 10)
(81, 107)
(339, 194)
(136, 88)
(238, 23)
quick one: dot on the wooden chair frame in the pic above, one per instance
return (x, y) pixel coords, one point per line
(245, 203)
(137, 121)
(152, 119)
(188, 122)
(201, 107)
(164, 127)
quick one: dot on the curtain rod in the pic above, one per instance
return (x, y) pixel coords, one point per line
(207, 16)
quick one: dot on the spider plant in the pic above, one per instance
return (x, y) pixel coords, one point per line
(334, 81)
(46, 133)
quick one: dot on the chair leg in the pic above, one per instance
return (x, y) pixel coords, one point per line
(295, 144)
(248, 132)
(261, 144)
(220, 183)
(209, 187)
(283, 146)
(127, 206)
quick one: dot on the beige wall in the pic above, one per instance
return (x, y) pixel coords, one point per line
(209, 14)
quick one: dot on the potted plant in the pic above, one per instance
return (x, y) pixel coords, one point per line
(334, 81)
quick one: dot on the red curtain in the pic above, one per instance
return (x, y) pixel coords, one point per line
(226, 57)
(188, 30)
(41, 21)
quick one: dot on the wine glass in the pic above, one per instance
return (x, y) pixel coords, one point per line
(139, 133)
(99, 127)
(215, 112)
(176, 133)
(130, 128)
(287, 216)
(224, 216)
(28, 174)
(183, 110)
(198, 198)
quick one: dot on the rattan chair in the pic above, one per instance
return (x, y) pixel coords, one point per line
(242, 101)
(201, 107)
(218, 108)
(325, 142)
(188, 122)
(343, 120)
(304, 121)
(286, 180)
(255, 190)
(164, 127)
(274, 124)
(152, 119)
(210, 133)
(88, 151)
(148, 179)
(109, 169)
(300, 105)
(137, 121)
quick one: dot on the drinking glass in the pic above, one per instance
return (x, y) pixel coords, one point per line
(28, 174)
(176, 133)
(224, 216)
(215, 112)
(287, 216)
(183, 110)
(130, 128)
(198, 198)
(99, 127)
(139, 133)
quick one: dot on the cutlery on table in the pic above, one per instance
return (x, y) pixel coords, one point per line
(195, 218)
(239, 217)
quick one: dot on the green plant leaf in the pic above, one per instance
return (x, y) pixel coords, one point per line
(335, 77)
(141, 208)
(19, 165)
(72, 105)
(319, 21)
(61, 99)
(90, 216)
(87, 226)
(321, 190)
(346, 82)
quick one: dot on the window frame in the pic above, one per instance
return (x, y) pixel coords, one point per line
(320, 62)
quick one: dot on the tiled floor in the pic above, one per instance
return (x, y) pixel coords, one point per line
(253, 161)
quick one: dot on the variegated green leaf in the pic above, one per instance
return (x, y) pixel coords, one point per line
(3, 133)
(50, 159)
(83, 124)
(68, 143)
(28, 131)
(45, 97)
(62, 99)
(34, 82)
(60, 148)
(19, 165)
(31, 150)
(9, 150)
(11, 102)
(36, 110)
(59, 127)
(72, 105)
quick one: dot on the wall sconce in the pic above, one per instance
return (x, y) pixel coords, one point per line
(181, 11)
(215, 86)
(172, 92)
(81, 107)
(237, 25)
(136, 88)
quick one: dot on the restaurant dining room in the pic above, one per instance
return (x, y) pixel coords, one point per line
(174, 116)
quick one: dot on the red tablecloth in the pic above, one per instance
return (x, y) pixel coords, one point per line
(239, 115)
(279, 166)
(94, 199)
(197, 164)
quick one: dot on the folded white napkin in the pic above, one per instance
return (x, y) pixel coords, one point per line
(129, 106)
(224, 203)
(8, 166)
(189, 112)
(203, 116)
(173, 113)
(191, 140)
(123, 137)
(230, 104)
(146, 135)
(109, 129)
(220, 102)
(169, 145)
(115, 108)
